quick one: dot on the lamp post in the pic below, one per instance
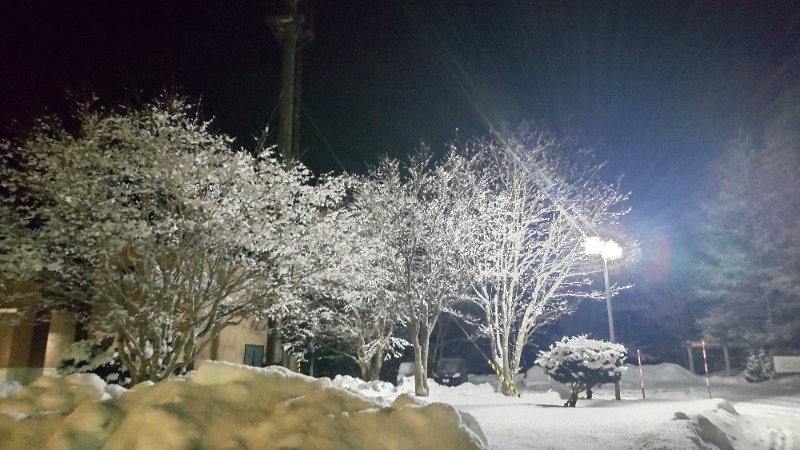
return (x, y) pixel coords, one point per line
(608, 250)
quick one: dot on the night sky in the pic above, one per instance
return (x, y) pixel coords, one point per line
(656, 87)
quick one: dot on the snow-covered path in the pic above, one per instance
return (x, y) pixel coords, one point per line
(777, 419)
(597, 425)
(677, 414)
(769, 423)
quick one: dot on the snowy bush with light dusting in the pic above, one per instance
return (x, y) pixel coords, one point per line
(583, 363)
(99, 357)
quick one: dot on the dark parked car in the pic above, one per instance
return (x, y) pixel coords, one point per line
(451, 371)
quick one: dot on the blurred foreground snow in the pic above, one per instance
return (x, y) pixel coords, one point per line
(223, 406)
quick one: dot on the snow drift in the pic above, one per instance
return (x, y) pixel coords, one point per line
(224, 406)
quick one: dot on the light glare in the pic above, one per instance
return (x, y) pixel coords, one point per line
(593, 245)
(612, 250)
(606, 249)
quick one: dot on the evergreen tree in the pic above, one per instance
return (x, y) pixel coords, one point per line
(750, 269)
(759, 367)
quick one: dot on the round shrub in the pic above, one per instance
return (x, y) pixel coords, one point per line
(583, 363)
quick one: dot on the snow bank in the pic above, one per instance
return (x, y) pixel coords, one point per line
(9, 388)
(665, 375)
(224, 406)
(536, 380)
(377, 390)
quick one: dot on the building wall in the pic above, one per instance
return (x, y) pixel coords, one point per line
(6, 337)
(229, 346)
(17, 347)
(61, 335)
(31, 348)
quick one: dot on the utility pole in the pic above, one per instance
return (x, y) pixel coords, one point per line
(292, 25)
(607, 249)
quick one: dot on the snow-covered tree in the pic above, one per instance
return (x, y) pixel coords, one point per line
(355, 308)
(750, 239)
(525, 258)
(583, 363)
(417, 208)
(155, 223)
(375, 312)
(432, 257)
(759, 367)
(393, 217)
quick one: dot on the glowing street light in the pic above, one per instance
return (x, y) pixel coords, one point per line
(608, 250)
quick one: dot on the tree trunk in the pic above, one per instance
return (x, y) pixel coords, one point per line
(573, 399)
(508, 371)
(377, 363)
(363, 368)
(425, 346)
(420, 364)
(506, 385)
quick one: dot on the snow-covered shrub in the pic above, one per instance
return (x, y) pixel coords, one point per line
(99, 357)
(759, 367)
(582, 363)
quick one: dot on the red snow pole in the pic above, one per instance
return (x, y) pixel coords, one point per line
(705, 364)
(641, 374)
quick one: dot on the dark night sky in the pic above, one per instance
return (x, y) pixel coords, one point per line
(655, 86)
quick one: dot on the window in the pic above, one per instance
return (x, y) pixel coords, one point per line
(254, 355)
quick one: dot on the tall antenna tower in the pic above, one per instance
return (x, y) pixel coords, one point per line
(292, 25)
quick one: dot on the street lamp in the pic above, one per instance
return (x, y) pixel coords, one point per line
(608, 250)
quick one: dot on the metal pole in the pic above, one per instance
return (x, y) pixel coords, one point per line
(610, 319)
(705, 365)
(641, 373)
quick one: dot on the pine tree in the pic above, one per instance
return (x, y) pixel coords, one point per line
(759, 367)
(750, 271)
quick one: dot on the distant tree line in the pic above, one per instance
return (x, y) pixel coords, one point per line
(749, 236)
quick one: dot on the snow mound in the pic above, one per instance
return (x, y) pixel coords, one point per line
(536, 379)
(708, 435)
(707, 430)
(8, 388)
(375, 388)
(466, 389)
(665, 374)
(479, 379)
(726, 406)
(54, 395)
(224, 406)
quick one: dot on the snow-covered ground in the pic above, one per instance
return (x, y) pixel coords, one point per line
(676, 414)
(227, 406)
